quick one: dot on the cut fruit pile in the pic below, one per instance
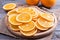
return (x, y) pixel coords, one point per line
(29, 20)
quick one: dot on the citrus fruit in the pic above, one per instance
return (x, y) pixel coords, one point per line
(24, 17)
(48, 3)
(27, 26)
(30, 10)
(19, 9)
(12, 12)
(9, 6)
(47, 16)
(12, 19)
(45, 23)
(32, 2)
(29, 33)
(34, 12)
(14, 27)
(22, 9)
(40, 27)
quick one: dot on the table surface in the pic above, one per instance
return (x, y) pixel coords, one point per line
(56, 35)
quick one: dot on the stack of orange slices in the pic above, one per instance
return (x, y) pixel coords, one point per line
(28, 20)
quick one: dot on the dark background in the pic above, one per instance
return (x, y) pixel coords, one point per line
(56, 35)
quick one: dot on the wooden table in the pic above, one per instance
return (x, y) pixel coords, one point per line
(56, 35)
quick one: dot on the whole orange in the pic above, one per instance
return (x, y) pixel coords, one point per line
(48, 3)
(32, 2)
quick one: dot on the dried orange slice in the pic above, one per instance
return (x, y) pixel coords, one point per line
(27, 26)
(12, 12)
(47, 16)
(38, 26)
(34, 12)
(35, 19)
(12, 19)
(9, 6)
(29, 33)
(24, 17)
(45, 23)
(29, 10)
(22, 9)
(14, 27)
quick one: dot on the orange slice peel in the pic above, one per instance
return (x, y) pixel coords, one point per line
(24, 17)
(47, 16)
(30, 33)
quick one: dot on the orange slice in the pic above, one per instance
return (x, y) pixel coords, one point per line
(34, 12)
(45, 23)
(22, 9)
(38, 26)
(12, 12)
(29, 10)
(24, 17)
(27, 26)
(9, 6)
(29, 33)
(12, 19)
(14, 27)
(47, 16)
